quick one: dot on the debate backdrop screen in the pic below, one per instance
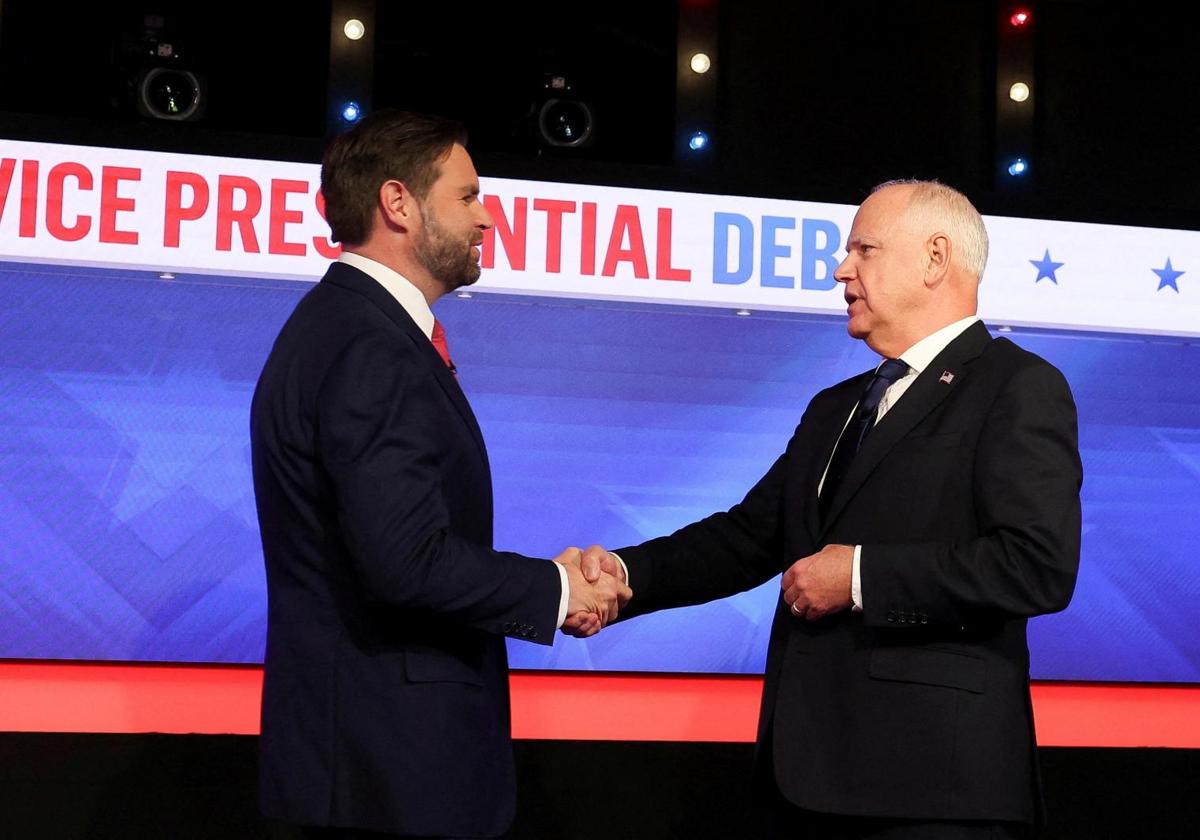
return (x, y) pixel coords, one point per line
(636, 358)
(128, 517)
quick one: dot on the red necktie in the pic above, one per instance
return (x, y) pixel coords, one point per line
(439, 343)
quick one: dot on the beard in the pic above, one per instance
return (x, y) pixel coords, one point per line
(445, 256)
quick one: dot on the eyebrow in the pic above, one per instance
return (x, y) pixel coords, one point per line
(855, 241)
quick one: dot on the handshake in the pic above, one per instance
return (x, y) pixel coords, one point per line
(598, 590)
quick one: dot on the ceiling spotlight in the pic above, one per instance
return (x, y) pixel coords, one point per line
(1018, 167)
(1018, 92)
(1020, 17)
(162, 79)
(700, 63)
(563, 119)
(354, 29)
(698, 141)
(166, 93)
(565, 122)
(351, 112)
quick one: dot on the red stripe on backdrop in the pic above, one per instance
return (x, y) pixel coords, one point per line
(103, 697)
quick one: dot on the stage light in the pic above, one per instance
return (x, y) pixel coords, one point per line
(1018, 167)
(565, 123)
(169, 94)
(698, 141)
(1019, 92)
(564, 120)
(700, 63)
(351, 112)
(1020, 17)
(354, 29)
(161, 79)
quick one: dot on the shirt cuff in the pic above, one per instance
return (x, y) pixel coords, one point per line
(566, 596)
(624, 568)
(856, 580)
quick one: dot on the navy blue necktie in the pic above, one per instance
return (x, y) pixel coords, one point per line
(857, 429)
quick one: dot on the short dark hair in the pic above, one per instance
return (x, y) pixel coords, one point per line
(385, 145)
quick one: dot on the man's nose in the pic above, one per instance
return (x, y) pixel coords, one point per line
(483, 219)
(843, 273)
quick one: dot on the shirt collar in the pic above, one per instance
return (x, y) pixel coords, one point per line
(920, 355)
(405, 293)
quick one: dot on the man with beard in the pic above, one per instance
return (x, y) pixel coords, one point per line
(385, 697)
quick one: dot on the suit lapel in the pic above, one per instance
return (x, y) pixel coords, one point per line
(348, 277)
(944, 374)
(832, 422)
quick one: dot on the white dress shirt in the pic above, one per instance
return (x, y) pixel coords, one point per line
(414, 303)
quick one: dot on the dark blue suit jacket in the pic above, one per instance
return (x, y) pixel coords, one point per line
(385, 701)
(965, 498)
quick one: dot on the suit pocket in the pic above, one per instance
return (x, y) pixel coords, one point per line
(422, 666)
(928, 667)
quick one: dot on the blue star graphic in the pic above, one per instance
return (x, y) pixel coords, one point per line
(1167, 276)
(1046, 268)
(173, 433)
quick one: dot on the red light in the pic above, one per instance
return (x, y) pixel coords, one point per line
(1019, 18)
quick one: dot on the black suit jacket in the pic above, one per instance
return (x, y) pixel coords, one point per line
(965, 498)
(385, 700)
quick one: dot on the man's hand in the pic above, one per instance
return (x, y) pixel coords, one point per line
(596, 562)
(819, 585)
(597, 559)
(592, 604)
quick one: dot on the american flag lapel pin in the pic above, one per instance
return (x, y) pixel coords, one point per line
(947, 377)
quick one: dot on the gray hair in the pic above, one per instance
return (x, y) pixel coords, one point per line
(935, 205)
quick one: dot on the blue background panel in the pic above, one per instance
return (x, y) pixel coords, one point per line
(128, 514)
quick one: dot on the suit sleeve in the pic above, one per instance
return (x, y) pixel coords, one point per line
(718, 556)
(378, 445)
(1027, 476)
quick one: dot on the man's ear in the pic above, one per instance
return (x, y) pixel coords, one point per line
(397, 204)
(938, 249)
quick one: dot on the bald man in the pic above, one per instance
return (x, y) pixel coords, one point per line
(922, 513)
